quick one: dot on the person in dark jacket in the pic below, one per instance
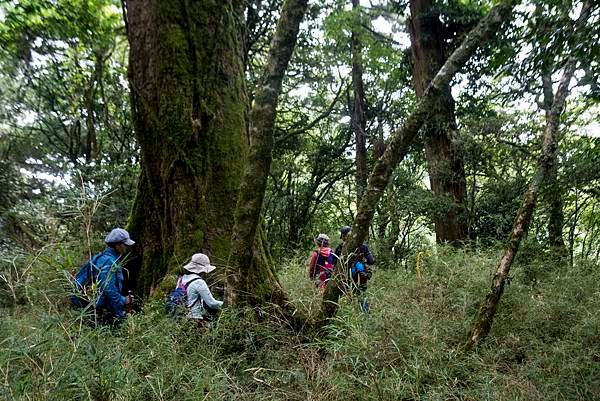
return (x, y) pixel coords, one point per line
(364, 251)
(105, 270)
(360, 273)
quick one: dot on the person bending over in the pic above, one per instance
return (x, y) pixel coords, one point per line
(199, 298)
(104, 269)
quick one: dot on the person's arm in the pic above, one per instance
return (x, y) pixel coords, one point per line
(312, 265)
(107, 281)
(369, 258)
(202, 288)
(337, 253)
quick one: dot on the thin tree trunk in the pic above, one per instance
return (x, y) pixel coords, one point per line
(556, 214)
(553, 188)
(483, 323)
(572, 231)
(248, 284)
(444, 164)
(472, 208)
(359, 120)
(589, 234)
(90, 120)
(400, 142)
(579, 207)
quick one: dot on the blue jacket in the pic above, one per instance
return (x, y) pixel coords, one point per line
(104, 269)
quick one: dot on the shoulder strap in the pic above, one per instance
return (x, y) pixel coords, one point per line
(186, 285)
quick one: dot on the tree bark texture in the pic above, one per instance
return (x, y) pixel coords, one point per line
(399, 144)
(359, 119)
(556, 217)
(553, 191)
(189, 113)
(444, 163)
(483, 323)
(246, 283)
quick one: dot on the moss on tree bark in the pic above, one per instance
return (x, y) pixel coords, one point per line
(190, 119)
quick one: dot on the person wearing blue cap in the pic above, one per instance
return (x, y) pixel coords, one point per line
(105, 270)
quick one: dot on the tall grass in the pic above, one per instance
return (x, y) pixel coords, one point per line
(545, 343)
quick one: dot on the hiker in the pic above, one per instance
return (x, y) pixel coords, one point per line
(320, 267)
(105, 270)
(199, 298)
(359, 273)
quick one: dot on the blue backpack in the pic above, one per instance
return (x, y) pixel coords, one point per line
(87, 274)
(358, 268)
(178, 297)
(360, 273)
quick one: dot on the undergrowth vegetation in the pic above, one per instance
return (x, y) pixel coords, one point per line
(545, 343)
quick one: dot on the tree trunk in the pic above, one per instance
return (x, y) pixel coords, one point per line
(444, 164)
(189, 113)
(359, 120)
(556, 214)
(399, 144)
(91, 145)
(248, 284)
(483, 323)
(553, 188)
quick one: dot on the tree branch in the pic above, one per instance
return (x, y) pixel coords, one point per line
(399, 144)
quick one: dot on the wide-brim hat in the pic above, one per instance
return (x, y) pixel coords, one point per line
(200, 263)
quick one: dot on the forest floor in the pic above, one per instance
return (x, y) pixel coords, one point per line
(544, 345)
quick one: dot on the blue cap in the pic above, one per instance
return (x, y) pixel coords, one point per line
(118, 236)
(345, 230)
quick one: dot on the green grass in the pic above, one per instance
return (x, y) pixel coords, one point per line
(544, 345)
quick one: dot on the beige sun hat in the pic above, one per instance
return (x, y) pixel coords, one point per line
(199, 264)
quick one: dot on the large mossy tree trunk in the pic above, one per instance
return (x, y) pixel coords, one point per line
(190, 118)
(444, 163)
(397, 147)
(483, 323)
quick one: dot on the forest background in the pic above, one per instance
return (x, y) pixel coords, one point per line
(90, 140)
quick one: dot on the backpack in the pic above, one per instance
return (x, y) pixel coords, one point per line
(325, 265)
(358, 268)
(360, 273)
(178, 297)
(87, 274)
